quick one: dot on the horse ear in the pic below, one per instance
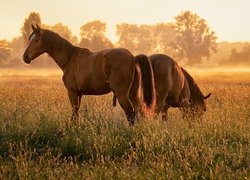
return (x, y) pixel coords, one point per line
(33, 27)
(38, 28)
(207, 96)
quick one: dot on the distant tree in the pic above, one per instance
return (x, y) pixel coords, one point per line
(238, 58)
(163, 36)
(136, 38)
(194, 39)
(33, 18)
(147, 39)
(127, 33)
(17, 46)
(17, 49)
(93, 28)
(4, 51)
(93, 36)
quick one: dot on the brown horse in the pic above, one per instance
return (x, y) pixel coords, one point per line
(174, 87)
(94, 73)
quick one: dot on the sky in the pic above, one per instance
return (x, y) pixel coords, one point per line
(229, 19)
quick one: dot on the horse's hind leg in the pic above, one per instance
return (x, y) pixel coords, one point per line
(128, 108)
(160, 101)
(122, 94)
(134, 96)
(123, 98)
(120, 85)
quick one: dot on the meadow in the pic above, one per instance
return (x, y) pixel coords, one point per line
(38, 142)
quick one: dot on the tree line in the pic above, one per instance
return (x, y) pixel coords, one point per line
(189, 40)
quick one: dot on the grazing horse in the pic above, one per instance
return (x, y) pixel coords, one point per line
(94, 73)
(174, 87)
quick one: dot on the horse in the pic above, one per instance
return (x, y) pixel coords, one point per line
(175, 87)
(95, 73)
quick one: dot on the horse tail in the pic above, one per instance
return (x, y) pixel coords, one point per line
(147, 79)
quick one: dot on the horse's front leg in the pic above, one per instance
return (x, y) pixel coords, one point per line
(185, 109)
(75, 100)
(165, 112)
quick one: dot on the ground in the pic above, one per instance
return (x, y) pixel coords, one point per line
(36, 140)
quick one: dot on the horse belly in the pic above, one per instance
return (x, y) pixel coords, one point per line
(95, 89)
(173, 101)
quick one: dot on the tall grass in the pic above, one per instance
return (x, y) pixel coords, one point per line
(37, 141)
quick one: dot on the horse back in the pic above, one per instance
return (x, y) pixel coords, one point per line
(167, 74)
(162, 69)
(170, 81)
(119, 61)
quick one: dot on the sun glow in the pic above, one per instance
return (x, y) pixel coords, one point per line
(75, 13)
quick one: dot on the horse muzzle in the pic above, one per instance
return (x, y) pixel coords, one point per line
(26, 58)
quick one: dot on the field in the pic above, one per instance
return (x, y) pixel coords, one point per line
(37, 142)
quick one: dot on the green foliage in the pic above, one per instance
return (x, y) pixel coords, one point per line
(194, 39)
(37, 141)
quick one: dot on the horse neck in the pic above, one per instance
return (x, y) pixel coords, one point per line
(59, 49)
(195, 92)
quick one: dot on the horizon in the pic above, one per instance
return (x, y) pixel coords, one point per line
(224, 18)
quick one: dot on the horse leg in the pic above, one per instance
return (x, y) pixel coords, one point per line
(160, 101)
(121, 85)
(134, 95)
(128, 108)
(165, 112)
(134, 99)
(75, 100)
(136, 103)
(185, 109)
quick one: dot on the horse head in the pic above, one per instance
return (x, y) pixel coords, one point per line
(198, 105)
(197, 99)
(35, 47)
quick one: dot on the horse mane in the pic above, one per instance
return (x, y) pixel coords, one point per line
(195, 91)
(55, 40)
(58, 41)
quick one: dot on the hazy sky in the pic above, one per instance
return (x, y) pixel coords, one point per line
(228, 18)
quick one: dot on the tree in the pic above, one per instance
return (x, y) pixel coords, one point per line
(238, 58)
(137, 39)
(194, 39)
(16, 51)
(93, 36)
(147, 39)
(34, 18)
(4, 51)
(163, 36)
